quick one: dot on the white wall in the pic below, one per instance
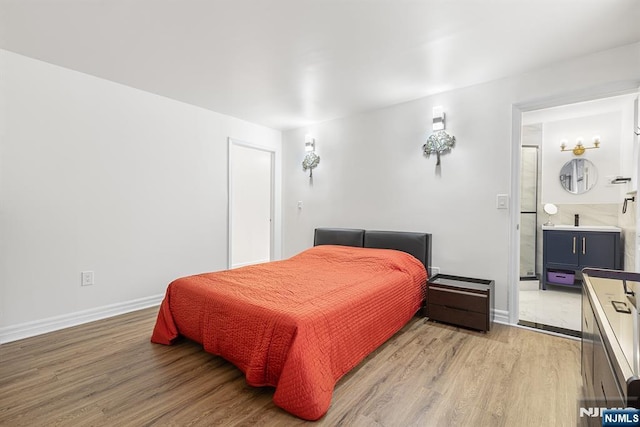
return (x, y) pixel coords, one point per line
(99, 176)
(606, 162)
(373, 173)
(611, 118)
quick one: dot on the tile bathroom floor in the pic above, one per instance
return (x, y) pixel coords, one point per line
(557, 306)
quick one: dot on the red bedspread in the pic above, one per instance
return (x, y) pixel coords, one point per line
(299, 324)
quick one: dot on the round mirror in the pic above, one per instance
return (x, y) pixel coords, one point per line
(578, 176)
(550, 208)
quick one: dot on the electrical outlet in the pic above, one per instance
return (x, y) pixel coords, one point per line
(87, 278)
(434, 271)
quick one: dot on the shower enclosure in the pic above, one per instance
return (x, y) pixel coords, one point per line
(528, 211)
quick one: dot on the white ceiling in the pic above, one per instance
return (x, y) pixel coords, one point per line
(290, 63)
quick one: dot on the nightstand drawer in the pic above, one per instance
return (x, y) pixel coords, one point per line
(455, 316)
(458, 298)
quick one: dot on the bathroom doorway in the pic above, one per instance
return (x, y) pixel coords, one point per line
(545, 131)
(555, 310)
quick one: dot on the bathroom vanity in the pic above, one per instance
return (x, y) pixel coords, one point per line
(567, 249)
(610, 340)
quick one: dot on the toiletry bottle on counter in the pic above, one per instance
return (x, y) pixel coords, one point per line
(576, 220)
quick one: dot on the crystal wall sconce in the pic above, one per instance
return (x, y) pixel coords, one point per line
(311, 159)
(440, 141)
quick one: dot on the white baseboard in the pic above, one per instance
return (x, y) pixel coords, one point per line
(501, 316)
(37, 327)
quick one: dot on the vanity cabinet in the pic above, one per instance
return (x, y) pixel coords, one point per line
(566, 252)
(610, 371)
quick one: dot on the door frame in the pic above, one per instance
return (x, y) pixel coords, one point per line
(272, 208)
(517, 109)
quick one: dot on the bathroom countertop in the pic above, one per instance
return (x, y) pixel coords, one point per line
(603, 228)
(624, 326)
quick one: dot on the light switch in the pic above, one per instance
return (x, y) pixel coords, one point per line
(502, 201)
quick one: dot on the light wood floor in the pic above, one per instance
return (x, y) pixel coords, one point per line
(429, 374)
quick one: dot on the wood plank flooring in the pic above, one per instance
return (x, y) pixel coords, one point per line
(428, 374)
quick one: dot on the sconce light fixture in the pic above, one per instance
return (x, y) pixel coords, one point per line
(439, 141)
(579, 149)
(311, 159)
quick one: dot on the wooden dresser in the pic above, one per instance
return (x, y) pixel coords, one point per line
(461, 301)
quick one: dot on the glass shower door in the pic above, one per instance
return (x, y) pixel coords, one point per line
(528, 211)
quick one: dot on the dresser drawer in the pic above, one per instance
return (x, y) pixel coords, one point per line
(458, 298)
(459, 317)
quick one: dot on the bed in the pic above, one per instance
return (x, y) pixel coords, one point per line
(300, 324)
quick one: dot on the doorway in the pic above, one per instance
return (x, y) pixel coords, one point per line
(251, 204)
(613, 115)
(556, 309)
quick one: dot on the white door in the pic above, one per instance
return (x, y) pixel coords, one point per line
(250, 204)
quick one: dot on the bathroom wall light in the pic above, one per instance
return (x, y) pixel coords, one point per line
(579, 149)
(311, 159)
(439, 141)
(309, 143)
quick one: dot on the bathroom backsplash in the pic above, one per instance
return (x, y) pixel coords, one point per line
(601, 214)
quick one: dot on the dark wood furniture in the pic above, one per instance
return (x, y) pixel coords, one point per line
(461, 301)
(610, 372)
(567, 251)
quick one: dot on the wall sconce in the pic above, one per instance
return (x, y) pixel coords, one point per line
(439, 141)
(579, 149)
(311, 159)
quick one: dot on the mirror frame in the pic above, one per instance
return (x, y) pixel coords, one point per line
(578, 176)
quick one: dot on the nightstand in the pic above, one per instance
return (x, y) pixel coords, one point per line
(462, 301)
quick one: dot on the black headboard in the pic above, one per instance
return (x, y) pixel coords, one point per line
(416, 244)
(339, 236)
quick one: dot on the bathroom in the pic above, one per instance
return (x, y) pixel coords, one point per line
(605, 129)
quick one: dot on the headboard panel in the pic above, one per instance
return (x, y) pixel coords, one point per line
(416, 244)
(339, 236)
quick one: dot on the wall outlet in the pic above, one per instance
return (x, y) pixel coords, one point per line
(87, 278)
(434, 271)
